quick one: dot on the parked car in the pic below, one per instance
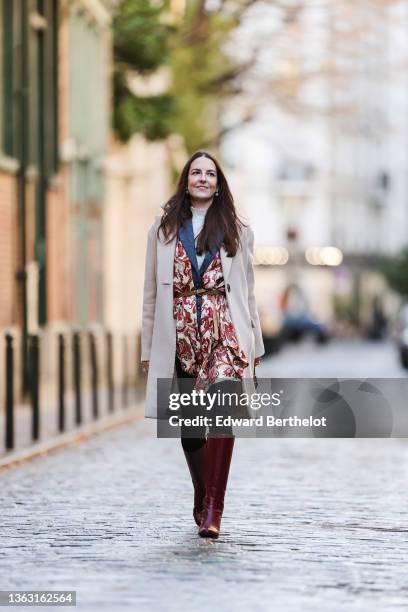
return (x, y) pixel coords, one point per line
(296, 327)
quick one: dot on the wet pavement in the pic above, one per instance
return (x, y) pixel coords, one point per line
(338, 358)
(308, 525)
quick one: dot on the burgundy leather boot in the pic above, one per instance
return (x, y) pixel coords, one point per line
(196, 461)
(219, 454)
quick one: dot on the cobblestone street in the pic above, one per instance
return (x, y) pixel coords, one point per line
(308, 525)
(353, 358)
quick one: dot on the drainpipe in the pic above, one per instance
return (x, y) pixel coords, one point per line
(21, 189)
(42, 182)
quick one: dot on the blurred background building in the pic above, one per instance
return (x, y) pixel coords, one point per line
(321, 163)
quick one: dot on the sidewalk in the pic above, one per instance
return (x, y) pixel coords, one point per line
(49, 433)
(308, 525)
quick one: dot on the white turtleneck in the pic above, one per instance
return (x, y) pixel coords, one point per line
(198, 224)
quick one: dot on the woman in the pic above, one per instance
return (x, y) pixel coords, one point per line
(199, 317)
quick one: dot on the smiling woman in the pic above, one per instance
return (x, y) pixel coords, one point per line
(200, 320)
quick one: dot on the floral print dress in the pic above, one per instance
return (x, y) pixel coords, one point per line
(207, 345)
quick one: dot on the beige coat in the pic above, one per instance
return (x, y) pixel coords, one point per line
(159, 327)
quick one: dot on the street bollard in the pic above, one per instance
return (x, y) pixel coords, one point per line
(94, 375)
(34, 363)
(125, 373)
(109, 371)
(76, 348)
(61, 382)
(9, 393)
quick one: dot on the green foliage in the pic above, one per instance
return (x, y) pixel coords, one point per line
(395, 270)
(150, 116)
(201, 74)
(140, 46)
(140, 37)
(146, 37)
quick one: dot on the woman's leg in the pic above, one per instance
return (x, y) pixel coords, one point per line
(194, 447)
(192, 438)
(220, 446)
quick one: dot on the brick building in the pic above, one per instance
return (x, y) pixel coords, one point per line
(54, 126)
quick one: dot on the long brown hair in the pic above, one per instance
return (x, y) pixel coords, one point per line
(221, 218)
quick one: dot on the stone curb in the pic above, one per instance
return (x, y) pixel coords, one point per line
(79, 434)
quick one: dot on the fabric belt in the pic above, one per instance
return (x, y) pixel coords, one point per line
(200, 291)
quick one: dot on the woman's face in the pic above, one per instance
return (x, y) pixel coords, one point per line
(202, 179)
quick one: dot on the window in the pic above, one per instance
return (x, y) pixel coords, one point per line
(50, 71)
(42, 80)
(43, 87)
(7, 75)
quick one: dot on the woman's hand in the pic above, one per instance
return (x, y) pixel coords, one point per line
(145, 366)
(257, 361)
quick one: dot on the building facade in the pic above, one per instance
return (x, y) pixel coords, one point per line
(54, 127)
(323, 162)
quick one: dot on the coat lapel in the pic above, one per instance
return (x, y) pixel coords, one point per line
(209, 256)
(186, 236)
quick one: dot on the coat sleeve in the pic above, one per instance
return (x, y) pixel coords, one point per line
(149, 293)
(256, 326)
